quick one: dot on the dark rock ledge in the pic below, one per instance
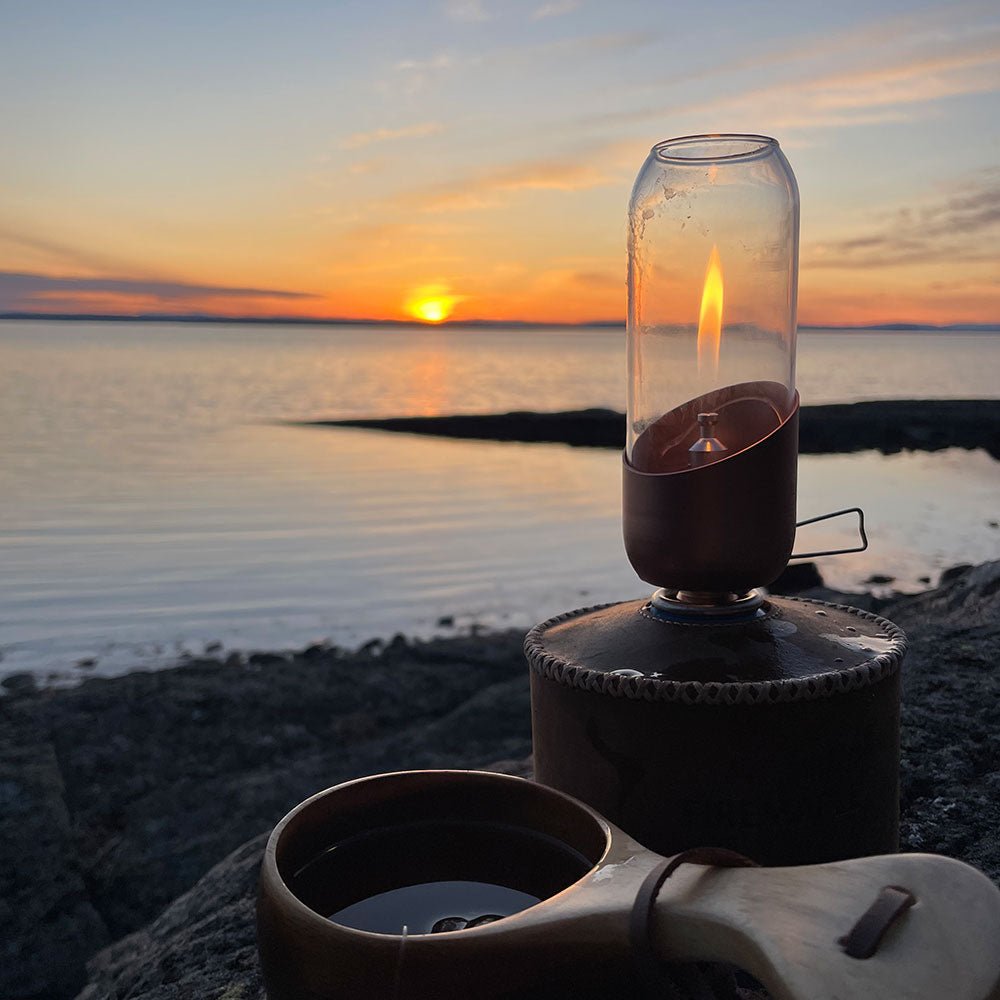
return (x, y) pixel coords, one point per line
(119, 796)
(887, 426)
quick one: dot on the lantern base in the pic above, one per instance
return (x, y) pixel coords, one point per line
(777, 737)
(725, 526)
(698, 606)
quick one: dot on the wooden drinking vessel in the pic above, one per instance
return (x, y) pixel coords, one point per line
(605, 933)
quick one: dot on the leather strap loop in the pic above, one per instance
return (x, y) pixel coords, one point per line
(654, 979)
(866, 935)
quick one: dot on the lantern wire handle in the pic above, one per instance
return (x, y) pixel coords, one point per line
(827, 517)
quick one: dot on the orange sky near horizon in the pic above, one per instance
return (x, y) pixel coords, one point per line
(474, 161)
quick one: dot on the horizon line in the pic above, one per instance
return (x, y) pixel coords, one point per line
(158, 317)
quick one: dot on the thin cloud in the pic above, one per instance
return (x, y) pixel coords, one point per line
(555, 9)
(956, 225)
(27, 291)
(57, 255)
(420, 71)
(856, 78)
(929, 32)
(459, 201)
(440, 61)
(367, 166)
(487, 190)
(917, 81)
(802, 119)
(467, 10)
(384, 246)
(361, 139)
(547, 175)
(602, 279)
(575, 47)
(417, 74)
(862, 98)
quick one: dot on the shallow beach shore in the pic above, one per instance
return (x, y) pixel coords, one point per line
(120, 794)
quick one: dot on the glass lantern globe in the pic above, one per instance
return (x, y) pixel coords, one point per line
(711, 448)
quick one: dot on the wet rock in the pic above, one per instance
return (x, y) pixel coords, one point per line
(889, 426)
(954, 572)
(158, 775)
(48, 926)
(315, 652)
(796, 577)
(204, 943)
(266, 660)
(949, 802)
(19, 684)
(126, 800)
(397, 643)
(969, 599)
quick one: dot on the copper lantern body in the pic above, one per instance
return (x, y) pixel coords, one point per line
(712, 435)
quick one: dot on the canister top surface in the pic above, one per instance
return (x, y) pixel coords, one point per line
(797, 649)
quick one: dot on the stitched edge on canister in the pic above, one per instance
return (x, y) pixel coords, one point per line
(825, 685)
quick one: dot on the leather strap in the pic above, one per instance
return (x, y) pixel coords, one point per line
(866, 935)
(656, 979)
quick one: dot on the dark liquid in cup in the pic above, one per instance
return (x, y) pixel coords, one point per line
(417, 874)
(433, 907)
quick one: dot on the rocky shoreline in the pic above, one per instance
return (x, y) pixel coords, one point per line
(888, 426)
(134, 808)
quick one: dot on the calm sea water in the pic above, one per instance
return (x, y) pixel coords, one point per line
(151, 503)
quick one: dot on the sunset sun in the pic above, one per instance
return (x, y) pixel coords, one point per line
(432, 303)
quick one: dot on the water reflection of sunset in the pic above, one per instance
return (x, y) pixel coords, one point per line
(430, 384)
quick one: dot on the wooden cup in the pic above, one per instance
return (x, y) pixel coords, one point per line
(792, 928)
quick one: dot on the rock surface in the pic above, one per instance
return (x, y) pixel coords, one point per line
(887, 426)
(204, 944)
(49, 926)
(950, 754)
(120, 795)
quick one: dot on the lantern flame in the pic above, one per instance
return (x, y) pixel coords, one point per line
(710, 317)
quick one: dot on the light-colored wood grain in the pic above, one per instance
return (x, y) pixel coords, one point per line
(783, 925)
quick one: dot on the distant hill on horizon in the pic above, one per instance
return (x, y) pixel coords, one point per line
(478, 323)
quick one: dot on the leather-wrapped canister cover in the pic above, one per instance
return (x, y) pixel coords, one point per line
(777, 738)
